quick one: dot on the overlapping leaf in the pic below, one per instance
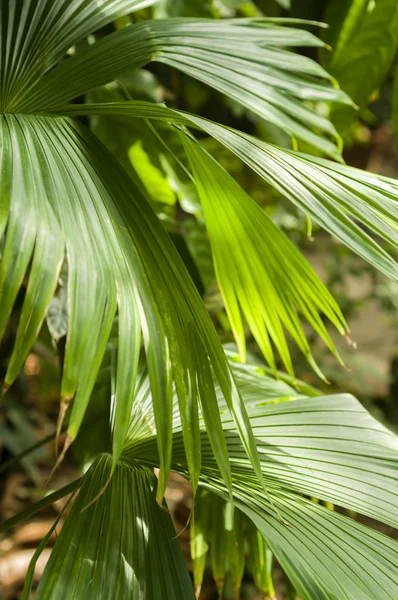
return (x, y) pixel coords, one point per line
(240, 58)
(75, 197)
(324, 447)
(349, 203)
(123, 546)
(329, 448)
(260, 273)
(35, 34)
(154, 153)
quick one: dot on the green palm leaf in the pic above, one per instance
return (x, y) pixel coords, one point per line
(37, 33)
(123, 546)
(315, 446)
(264, 276)
(118, 255)
(324, 447)
(343, 200)
(65, 199)
(329, 448)
(267, 80)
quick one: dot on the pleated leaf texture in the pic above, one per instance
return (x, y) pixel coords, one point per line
(311, 447)
(63, 197)
(349, 203)
(323, 447)
(123, 546)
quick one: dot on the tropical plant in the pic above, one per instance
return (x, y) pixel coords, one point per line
(144, 372)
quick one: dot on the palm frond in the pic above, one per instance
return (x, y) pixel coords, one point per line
(328, 448)
(259, 271)
(37, 33)
(119, 257)
(122, 546)
(349, 203)
(257, 74)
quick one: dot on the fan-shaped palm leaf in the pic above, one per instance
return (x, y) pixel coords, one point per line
(264, 275)
(328, 448)
(344, 200)
(118, 254)
(256, 73)
(123, 546)
(324, 447)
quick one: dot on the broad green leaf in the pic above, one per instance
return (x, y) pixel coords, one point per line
(267, 80)
(123, 545)
(260, 273)
(364, 54)
(343, 18)
(329, 448)
(35, 34)
(155, 182)
(118, 256)
(343, 200)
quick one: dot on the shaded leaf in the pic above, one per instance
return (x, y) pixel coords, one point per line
(364, 54)
(123, 545)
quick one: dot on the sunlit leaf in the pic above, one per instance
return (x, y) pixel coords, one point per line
(263, 276)
(346, 201)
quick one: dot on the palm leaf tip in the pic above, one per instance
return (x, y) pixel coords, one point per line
(264, 278)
